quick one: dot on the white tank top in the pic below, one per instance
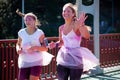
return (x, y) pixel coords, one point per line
(71, 40)
(28, 41)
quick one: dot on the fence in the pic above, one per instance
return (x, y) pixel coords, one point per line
(109, 56)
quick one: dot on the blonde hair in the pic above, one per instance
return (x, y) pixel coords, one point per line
(29, 14)
(73, 8)
(20, 13)
(70, 5)
(34, 17)
(88, 28)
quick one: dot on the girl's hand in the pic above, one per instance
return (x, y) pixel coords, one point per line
(81, 20)
(32, 49)
(52, 45)
(19, 51)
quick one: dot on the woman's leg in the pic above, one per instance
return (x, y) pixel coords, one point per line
(35, 72)
(62, 72)
(75, 74)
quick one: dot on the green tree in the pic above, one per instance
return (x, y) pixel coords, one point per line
(47, 11)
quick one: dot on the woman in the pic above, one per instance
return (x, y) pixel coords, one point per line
(31, 49)
(72, 59)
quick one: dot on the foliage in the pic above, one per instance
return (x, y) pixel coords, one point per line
(9, 20)
(47, 11)
(49, 14)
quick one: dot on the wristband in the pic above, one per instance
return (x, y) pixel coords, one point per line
(57, 45)
(46, 42)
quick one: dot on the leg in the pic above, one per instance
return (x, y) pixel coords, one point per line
(24, 74)
(62, 72)
(35, 72)
(75, 74)
(34, 77)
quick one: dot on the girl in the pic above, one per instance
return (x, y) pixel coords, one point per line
(72, 59)
(31, 49)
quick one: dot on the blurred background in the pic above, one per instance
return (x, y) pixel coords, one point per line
(49, 13)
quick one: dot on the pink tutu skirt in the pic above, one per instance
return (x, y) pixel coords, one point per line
(40, 58)
(80, 57)
(89, 59)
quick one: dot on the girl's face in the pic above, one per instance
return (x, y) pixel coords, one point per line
(29, 21)
(67, 13)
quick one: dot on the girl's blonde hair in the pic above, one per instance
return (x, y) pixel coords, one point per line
(73, 8)
(29, 14)
(34, 17)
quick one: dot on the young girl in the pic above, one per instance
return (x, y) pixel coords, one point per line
(72, 59)
(31, 49)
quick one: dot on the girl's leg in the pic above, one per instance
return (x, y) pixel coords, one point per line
(24, 74)
(75, 74)
(35, 72)
(34, 77)
(62, 72)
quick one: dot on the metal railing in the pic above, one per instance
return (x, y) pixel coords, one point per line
(109, 56)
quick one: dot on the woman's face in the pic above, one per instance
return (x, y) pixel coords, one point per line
(67, 13)
(29, 21)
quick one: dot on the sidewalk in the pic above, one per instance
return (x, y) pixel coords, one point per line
(111, 73)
